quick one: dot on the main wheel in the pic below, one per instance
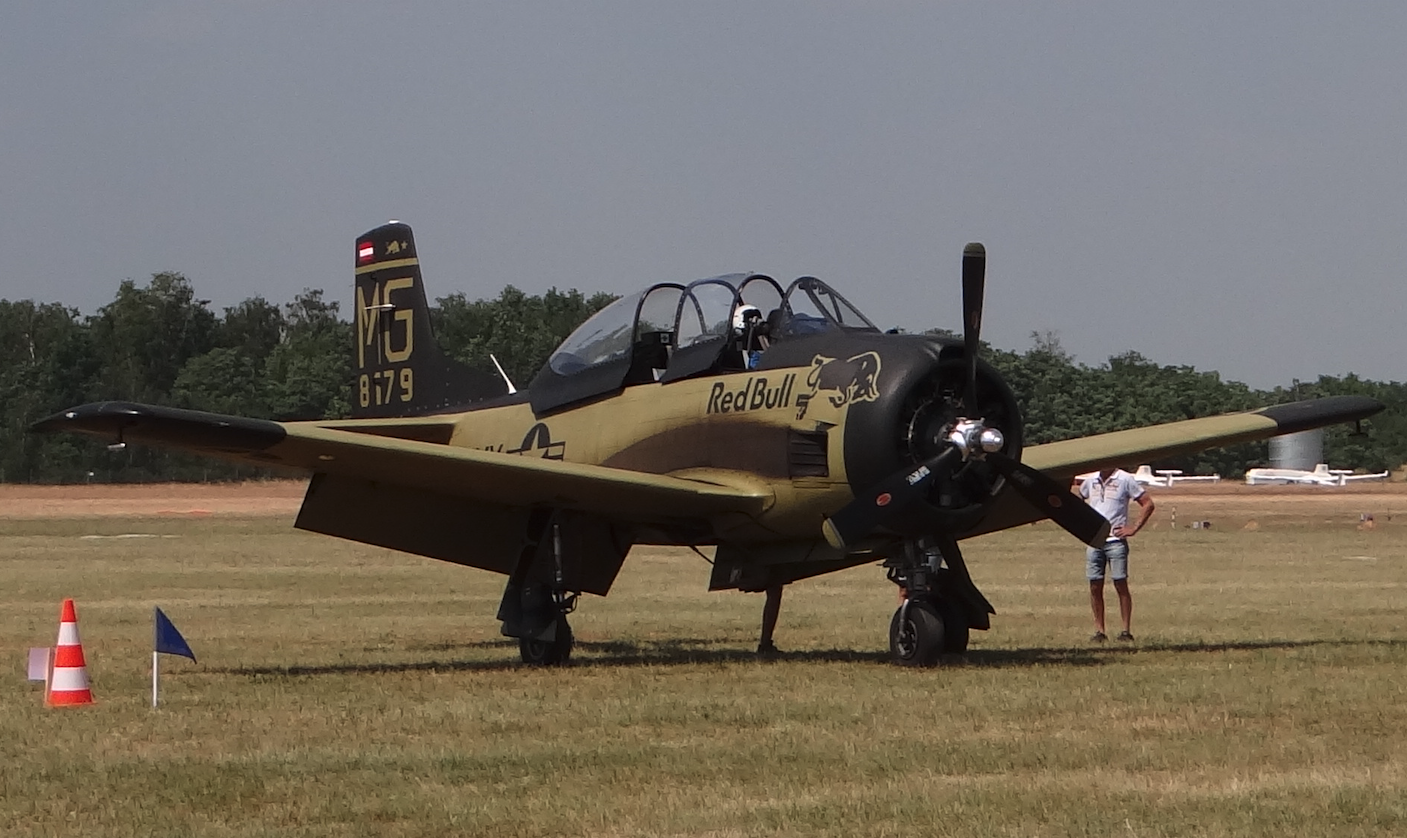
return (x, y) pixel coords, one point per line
(553, 652)
(916, 634)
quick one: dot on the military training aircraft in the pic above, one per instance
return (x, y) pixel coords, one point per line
(774, 423)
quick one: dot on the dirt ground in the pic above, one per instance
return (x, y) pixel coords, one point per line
(282, 497)
(257, 498)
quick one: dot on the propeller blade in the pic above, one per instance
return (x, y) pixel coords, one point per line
(1061, 505)
(869, 510)
(974, 284)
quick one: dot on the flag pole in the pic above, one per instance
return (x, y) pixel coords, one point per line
(166, 640)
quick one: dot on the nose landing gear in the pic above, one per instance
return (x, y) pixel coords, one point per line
(940, 604)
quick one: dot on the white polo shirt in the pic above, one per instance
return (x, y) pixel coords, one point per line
(1111, 497)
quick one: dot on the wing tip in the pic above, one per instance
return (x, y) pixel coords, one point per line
(144, 423)
(1316, 413)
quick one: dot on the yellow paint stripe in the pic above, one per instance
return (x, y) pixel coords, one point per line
(381, 266)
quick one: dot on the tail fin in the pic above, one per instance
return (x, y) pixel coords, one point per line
(401, 370)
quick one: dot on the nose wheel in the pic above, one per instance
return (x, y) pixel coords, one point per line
(916, 634)
(922, 631)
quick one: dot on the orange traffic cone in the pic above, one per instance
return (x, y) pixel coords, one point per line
(69, 683)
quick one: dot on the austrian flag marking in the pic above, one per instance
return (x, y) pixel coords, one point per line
(366, 251)
(883, 499)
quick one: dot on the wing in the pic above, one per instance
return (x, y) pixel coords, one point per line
(404, 452)
(1063, 460)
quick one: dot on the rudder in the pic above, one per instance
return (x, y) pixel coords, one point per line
(401, 370)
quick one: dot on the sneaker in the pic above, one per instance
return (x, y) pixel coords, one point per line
(768, 650)
(1125, 637)
(1098, 637)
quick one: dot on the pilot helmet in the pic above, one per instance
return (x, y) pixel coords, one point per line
(743, 314)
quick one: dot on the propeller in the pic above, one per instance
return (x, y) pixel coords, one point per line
(969, 439)
(884, 499)
(974, 286)
(1057, 502)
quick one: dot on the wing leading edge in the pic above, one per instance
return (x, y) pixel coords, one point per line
(1063, 460)
(504, 479)
(1070, 457)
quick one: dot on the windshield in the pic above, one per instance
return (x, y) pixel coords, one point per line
(606, 336)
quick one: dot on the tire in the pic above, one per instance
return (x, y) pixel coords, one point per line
(555, 652)
(916, 639)
(955, 627)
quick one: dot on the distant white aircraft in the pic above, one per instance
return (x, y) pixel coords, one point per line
(1321, 476)
(1162, 478)
(1171, 477)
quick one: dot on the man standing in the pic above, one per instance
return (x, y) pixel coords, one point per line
(1109, 492)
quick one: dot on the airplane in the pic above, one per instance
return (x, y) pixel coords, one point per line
(1170, 477)
(1162, 478)
(795, 444)
(1322, 475)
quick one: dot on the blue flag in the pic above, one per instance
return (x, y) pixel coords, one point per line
(168, 640)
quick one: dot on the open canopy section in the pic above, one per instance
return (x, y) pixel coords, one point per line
(670, 332)
(812, 306)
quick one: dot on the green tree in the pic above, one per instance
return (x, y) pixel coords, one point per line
(309, 374)
(255, 327)
(146, 335)
(47, 363)
(518, 329)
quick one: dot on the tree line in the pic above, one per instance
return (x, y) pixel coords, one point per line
(159, 343)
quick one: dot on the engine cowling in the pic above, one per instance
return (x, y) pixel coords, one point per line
(919, 406)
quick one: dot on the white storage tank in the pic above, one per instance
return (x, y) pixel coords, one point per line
(1303, 450)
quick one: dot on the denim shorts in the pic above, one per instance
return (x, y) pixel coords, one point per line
(1114, 555)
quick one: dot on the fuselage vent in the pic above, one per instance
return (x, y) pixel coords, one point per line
(806, 454)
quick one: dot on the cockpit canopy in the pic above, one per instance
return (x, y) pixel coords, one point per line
(669, 332)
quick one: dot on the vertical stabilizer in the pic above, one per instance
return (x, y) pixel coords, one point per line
(401, 370)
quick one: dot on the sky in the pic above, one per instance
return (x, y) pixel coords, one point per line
(1214, 184)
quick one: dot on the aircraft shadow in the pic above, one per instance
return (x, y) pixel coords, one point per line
(694, 651)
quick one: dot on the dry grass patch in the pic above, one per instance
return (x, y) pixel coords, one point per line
(347, 690)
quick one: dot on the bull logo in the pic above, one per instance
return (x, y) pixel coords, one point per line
(856, 379)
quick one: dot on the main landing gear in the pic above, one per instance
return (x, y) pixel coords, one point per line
(940, 605)
(535, 610)
(552, 645)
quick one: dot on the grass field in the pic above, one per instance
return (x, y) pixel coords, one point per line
(348, 690)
